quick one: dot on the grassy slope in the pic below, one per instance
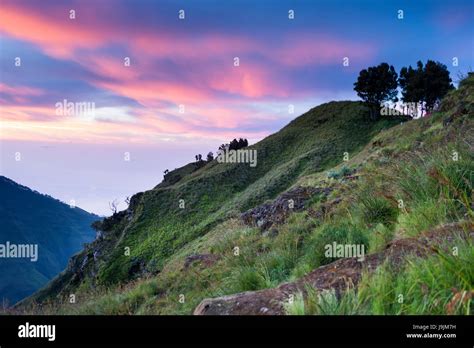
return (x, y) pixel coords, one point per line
(412, 162)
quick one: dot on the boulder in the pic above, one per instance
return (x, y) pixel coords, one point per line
(266, 215)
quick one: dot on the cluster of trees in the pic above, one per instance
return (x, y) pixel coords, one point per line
(209, 158)
(425, 85)
(233, 145)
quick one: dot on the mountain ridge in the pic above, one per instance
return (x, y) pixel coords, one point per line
(290, 133)
(352, 201)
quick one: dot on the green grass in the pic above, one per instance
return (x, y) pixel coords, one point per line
(378, 210)
(424, 286)
(424, 215)
(379, 237)
(332, 232)
(296, 306)
(440, 284)
(325, 302)
(435, 189)
(248, 279)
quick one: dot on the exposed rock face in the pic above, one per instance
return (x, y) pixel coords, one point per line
(337, 275)
(276, 212)
(205, 260)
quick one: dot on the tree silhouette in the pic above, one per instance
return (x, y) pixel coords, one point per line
(376, 85)
(437, 83)
(210, 156)
(412, 85)
(114, 206)
(425, 85)
(234, 145)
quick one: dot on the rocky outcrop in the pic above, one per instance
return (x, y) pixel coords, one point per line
(337, 276)
(276, 212)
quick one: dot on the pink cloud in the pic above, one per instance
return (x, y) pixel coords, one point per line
(206, 60)
(202, 77)
(18, 94)
(320, 50)
(197, 47)
(26, 113)
(20, 90)
(56, 34)
(152, 93)
(248, 80)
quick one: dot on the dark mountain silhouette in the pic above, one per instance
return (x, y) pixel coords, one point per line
(28, 217)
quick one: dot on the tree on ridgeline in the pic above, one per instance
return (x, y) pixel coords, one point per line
(376, 85)
(223, 148)
(113, 206)
(243, 143)
(425, 85)
(412, 84)
(210, 156)
(234, 145)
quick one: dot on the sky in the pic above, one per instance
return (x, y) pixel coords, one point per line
(164, 88)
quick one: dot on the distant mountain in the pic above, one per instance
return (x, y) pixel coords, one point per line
(30, 218)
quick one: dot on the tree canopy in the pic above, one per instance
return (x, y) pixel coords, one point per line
(426, 84)
(376, 85)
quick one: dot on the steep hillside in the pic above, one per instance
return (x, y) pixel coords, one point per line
(246, 229)
(28, 217)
